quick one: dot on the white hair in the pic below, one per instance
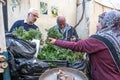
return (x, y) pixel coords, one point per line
(31, 10)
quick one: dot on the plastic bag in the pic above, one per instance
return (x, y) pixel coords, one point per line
(79, 65)
(20, 48)
(27, 77)
(31, 66)
(27, 69)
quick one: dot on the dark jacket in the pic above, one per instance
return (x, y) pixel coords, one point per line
(21, 23)
(68, 33)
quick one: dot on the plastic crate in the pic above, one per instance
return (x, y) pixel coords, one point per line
(57, 63)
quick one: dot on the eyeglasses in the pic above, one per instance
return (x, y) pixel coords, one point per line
(34, 15)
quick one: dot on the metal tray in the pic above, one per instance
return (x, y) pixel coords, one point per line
(52, 74)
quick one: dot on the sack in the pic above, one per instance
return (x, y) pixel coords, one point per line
(20, 48)
(84, 66)
(26, 69)
(30, 66)
(27, 77)
(79, 65)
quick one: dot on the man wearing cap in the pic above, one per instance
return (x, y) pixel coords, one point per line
(28, 23)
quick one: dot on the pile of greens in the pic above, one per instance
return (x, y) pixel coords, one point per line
(27, 35)
(52, 52)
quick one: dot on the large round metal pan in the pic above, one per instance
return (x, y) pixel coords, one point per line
(52, 74)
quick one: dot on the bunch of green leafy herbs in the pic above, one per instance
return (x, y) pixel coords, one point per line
(53, 33)
(27, 35)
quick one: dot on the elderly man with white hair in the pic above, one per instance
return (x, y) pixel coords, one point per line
(28, 23)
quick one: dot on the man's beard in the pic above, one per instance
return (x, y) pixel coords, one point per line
(32, 21)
